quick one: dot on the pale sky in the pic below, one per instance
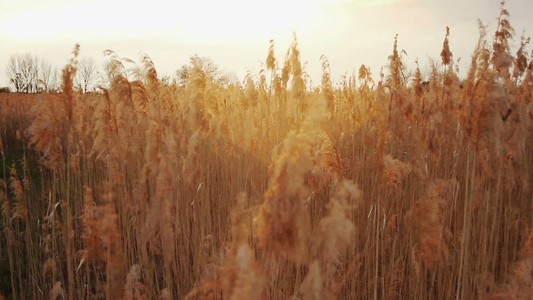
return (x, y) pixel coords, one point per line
(235, 34)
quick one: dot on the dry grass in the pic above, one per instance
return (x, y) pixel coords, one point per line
(267, 190)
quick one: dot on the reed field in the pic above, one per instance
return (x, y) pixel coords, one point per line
(411, 186)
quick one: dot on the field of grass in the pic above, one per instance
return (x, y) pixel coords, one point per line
(268, 189)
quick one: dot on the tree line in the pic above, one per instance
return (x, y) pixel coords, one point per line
(28, 73)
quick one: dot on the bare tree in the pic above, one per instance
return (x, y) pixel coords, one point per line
(49, 77)
(23, 71)
(55, 82)
(206, 68)
(13, 73)
(29, 67)
(86, 74)
(45, 77)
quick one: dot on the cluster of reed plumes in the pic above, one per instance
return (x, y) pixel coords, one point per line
(400, 189)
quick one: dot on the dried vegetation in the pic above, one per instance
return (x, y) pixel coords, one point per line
(398, 189)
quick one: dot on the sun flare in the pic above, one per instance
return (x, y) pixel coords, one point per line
(198, 20)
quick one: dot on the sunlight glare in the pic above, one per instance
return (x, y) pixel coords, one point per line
(195, 20)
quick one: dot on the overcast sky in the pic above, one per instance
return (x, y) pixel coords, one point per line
(236, 33)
